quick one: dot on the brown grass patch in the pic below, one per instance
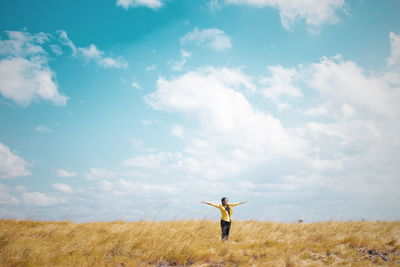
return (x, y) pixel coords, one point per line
(197, 243)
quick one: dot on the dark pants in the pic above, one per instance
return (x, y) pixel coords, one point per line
(225, 227)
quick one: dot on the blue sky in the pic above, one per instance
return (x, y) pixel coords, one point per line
(140, 109)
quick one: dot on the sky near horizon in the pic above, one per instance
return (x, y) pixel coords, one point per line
(140, 109)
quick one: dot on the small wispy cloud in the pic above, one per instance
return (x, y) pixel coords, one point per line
(178, 131)
(63, 188)
(43, 129)
(99, 173)
(92, 53)
(126, 4)
(146, 122)
(136, 85)
(65, 173)
(212, 38)
(151, 67)
(178, 65)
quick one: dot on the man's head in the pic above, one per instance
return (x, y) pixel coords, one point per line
(224, 200)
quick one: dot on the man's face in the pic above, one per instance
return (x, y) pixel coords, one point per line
(225, 201)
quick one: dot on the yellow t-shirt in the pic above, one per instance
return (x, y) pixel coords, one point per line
(224, 213)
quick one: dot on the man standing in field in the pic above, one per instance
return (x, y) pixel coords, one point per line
(226, 215)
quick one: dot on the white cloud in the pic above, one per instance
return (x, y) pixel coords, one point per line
(56, 49)
(138, 145)
(5, 197)
(99, 173)
(343, 81)
(105, 185)
(211, 95)
(11, 165)
(64, 39)
(178, 65)
(136, 142)
(65, 173)
(228, 122)
(214, 5)
(126, 4)
(359, 142)
(135, 186)
(136, 85)
(391, 77)
(151, 67)
(23, 44)
(26, 80)
(63, 188)
(146, 122)
(185, 54)
(43, 129)
(24, 70)
(347, 110)
(178, 131)
(41, 199)
(154, 160)
(92, 53)
(212, 38)
(313, 12)
(343, 87)
(281, 83)
(320, 110)
(357, 129)
(394, 58)
(127, 187)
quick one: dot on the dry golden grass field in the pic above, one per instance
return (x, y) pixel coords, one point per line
(197, 243)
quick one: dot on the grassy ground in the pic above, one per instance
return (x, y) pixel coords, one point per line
(197, 243)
